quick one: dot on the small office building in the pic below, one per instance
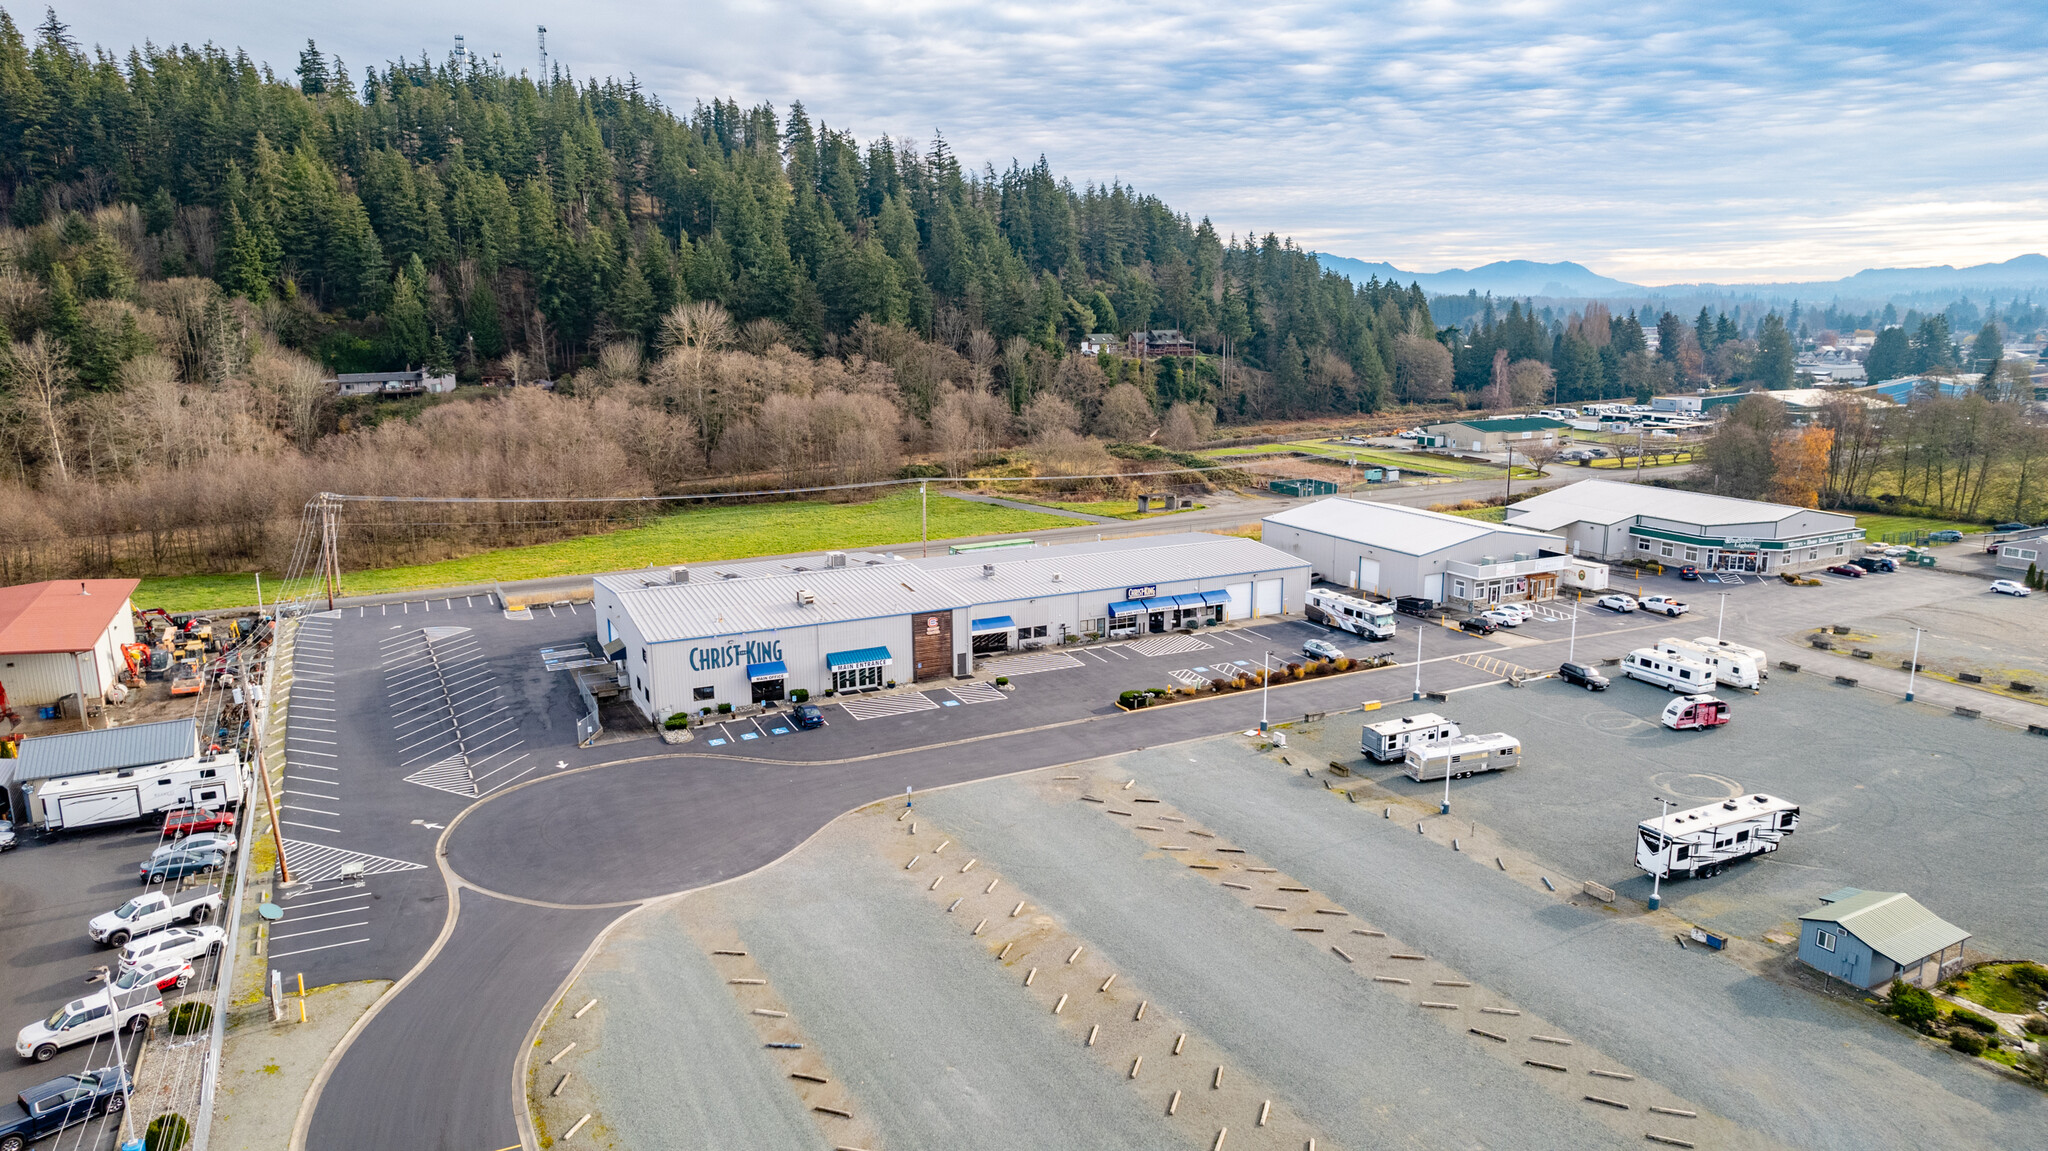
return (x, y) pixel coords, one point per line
(1495, 435)
(694, 637)
(1612, 521)
(1870, 938)
(138, 747)
(64, 637)
(1389, 551)
(2020, 550)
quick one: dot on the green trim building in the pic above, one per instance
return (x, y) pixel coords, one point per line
(1493, 435)
(1611, 521)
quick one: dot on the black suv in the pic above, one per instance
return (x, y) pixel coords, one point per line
(1876, 563)
(1582, 675)
(1479, 626)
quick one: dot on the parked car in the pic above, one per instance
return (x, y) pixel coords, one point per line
(150, 912)
(1897, 550)
(6, 836)
(2012, 527)
(177, 943)
(185, 821)
(205, 841)
(180, 864)
(50, 1107)
(1322, 649)
(1522, 611)
(1688, 572)
(807, 716)
(1850, 570)
(1945, 536)
(1876, 563)
(162, 974)
(1499, 618)
(101, 1012)
(1582, 675)
(2010, 587)
(1663, 605)
(1616, 603)
(1479, 625)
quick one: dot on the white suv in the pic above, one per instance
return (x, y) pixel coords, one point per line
(171, 944)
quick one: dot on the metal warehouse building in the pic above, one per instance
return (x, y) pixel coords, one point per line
(1606, 520)
(1389, 551)
(133, 747)
(750, 632)
(64, 637)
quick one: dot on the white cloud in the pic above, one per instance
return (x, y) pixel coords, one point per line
(1656, 142)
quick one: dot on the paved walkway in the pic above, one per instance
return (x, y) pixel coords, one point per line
(1020, 505)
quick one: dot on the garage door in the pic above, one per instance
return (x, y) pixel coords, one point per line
(1433, 587)
(1269, 596)
(1369, 575)
(1240, 605)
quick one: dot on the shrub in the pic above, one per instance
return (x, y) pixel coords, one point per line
(2035, 1025)
(677, 721)
(1002, 681)
(1911, 1005)
(1971, 1019)
(190, 1018)
(1130, 699)
(801, 695)
(2031, 976)
(1967, 1042)
(725, 709)
(166, 1133)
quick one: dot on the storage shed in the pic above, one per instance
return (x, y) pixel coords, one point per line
(1870, 938)
(64, 637)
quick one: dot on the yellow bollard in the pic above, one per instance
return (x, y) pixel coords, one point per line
(302, 997)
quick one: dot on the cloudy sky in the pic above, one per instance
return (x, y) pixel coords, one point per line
(1657, 142)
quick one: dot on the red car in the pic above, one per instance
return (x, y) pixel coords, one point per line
(193, 820)
(1850, 570)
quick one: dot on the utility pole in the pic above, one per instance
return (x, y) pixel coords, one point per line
(924, 521)
(1639, 453)
(284, 869)
(330, 572)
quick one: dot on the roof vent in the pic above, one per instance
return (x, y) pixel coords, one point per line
(679, 575)
(1057, 577)
(988, 571)
(835, 559)
(805, 597)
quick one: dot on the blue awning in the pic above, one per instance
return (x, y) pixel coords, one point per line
(773, 669)
(1193, 600)
(992, 623)
(1215, 597)
(857, 658)
(1126, 607)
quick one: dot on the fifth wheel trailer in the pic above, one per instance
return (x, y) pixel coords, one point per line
(210, 781)
(1701, 841)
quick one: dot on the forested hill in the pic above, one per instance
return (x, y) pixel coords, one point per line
(422, 213)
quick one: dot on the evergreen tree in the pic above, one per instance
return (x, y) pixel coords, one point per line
(1773, 366)
(1987, 351)
(313, 76)
(1887, 359)
(1670, 337)
(405, 319)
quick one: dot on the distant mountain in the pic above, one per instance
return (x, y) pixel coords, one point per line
(1523, 278)
(1502, 278)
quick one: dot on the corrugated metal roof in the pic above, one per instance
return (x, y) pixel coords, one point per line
(759, 601)
(60, 616)
(1410, 531)
(1504, 424)
(1893, 924)
(1610, 502)
(84, 752)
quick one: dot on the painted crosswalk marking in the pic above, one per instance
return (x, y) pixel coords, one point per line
(1167, 645)
(888, 705)
(450, 775)
(977, 693)
(313, 862)
(1017, 665)
(1188, 676)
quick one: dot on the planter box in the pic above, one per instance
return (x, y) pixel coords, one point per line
(1969, 677)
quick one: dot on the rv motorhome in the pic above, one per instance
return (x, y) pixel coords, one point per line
(1670, 672)
(1730, 666)
(1702, 841)
(1349, 613)
(1388, 741)
(1763, 662)
(211, 781)
(1466, 755)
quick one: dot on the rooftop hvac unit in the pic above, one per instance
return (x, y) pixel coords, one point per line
(679, 575)
(1486, 561)
(835, 559)
(804, 597)
(988, 571)
(1520, 556)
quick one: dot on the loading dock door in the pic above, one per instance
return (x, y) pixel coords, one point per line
(1368, 574)
(1240, 605)
(931, 645)
(1270, 596)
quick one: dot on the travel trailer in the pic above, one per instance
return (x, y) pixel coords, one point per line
(1702, 841)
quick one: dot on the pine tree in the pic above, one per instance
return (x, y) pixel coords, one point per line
(405, 319)
(1773, 366)
(313, 76)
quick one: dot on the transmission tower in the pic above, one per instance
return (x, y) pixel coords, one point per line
(543, 78)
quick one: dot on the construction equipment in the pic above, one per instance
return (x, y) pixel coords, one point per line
(137, 655)
(7, 713)
(186, 678)
(159, 662)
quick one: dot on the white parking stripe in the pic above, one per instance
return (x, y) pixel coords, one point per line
(314, 810)
(308, 950)
(314, 826)
(295, 918)
(322, 930)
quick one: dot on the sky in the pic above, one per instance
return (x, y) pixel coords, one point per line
(1655, 142)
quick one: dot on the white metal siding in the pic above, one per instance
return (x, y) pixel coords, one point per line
(1368, 574)
(1271, 594)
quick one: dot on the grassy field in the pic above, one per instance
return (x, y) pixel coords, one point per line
(1877, 527)
(1369, 457)
(1114, 509)
(695, 536)
(1488, 515)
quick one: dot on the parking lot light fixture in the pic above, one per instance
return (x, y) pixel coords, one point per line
(1265, 684)
(1657, 876)
(1571, 651)
(1418, 664)
(1722, 618)
(1446, 808)
(1913, 669)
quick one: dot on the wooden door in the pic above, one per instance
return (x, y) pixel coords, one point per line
(931, 644)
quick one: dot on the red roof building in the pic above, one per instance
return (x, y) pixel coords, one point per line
(64, 637)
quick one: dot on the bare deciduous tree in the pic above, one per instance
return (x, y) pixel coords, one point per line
(41, 378)
(1125, 417)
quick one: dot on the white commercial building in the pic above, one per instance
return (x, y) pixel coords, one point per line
(1606, 520)
(1391, 551)
(754, 631)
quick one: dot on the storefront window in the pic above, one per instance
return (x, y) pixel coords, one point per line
(854, 679)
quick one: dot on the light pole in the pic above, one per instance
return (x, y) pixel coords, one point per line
(1664, 844)
(1446, 808)
(1265, 685)
(1418, 660)
(1914, 668)
(1571, 651)
(1723, 618)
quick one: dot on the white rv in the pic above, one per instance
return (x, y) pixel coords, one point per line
(211, 781)
(1463, 756)
(1349, 613)
(1389, 740)
(1670, 672)
(1730, 667)
(1701, 842)
(1763, 662)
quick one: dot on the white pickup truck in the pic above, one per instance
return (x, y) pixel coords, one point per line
(1662, 605)
(146, 913)
(102, 1013)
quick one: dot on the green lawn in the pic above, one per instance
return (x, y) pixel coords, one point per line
(1369, 457)
(1490, 515)
(1994, 985)
(703, 534)
(1877, 527)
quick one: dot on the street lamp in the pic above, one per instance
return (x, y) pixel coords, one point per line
(1265, 685)
(1913, 669)
(1723, 618)
(1418, 661)
(1664, 844)
(1571, 652)
(1446, 808)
